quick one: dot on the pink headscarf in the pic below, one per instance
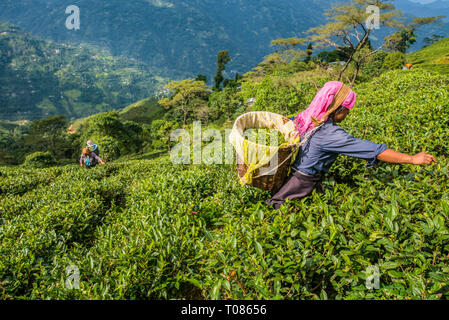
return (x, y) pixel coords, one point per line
(319, 105)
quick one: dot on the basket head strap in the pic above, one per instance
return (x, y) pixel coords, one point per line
(339, 98)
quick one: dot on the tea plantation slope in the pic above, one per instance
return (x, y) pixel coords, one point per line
(433, 58)
(150, 229)
(143, 111)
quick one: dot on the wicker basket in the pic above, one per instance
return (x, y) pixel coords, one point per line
(274, 180)
(286, 155)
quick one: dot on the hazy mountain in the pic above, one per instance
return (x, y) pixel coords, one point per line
(436, 8)
(417, 9)
(179, 37)
(40, 78)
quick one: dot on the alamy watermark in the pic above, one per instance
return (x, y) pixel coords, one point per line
(73, 20)
(373, 20)
(373, 278)
(72, 280)
(218, 148)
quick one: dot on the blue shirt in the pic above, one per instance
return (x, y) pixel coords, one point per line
(318, 154)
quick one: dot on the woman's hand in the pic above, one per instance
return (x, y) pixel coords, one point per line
(423, 158)
(392, 156)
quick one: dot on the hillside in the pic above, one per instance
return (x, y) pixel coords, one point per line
(40, 78)
(157, 230)
(433, 58)
(7, 126)
(178, 38)
(143, 111)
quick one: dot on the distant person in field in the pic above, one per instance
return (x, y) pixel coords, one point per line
(89, 159)
(93, 147)
(330, 106)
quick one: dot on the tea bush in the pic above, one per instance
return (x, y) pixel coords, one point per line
(394, 60)
(110, 148)
(148, 229)
(39, 160)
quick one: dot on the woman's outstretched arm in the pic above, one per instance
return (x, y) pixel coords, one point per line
(397, 157)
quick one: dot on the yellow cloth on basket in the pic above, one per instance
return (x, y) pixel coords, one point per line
(256, 155)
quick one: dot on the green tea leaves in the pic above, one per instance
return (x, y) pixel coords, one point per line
(258, 248)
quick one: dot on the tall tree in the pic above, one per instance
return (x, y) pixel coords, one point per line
(348, 28)
(187, 95)
(201, 77)
(309, 52)
(287, 43)
(350, 25)
(222, 59)
(160, 133)
(287, 51)
(48, 134)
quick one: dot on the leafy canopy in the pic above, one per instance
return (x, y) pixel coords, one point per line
(187, 95)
